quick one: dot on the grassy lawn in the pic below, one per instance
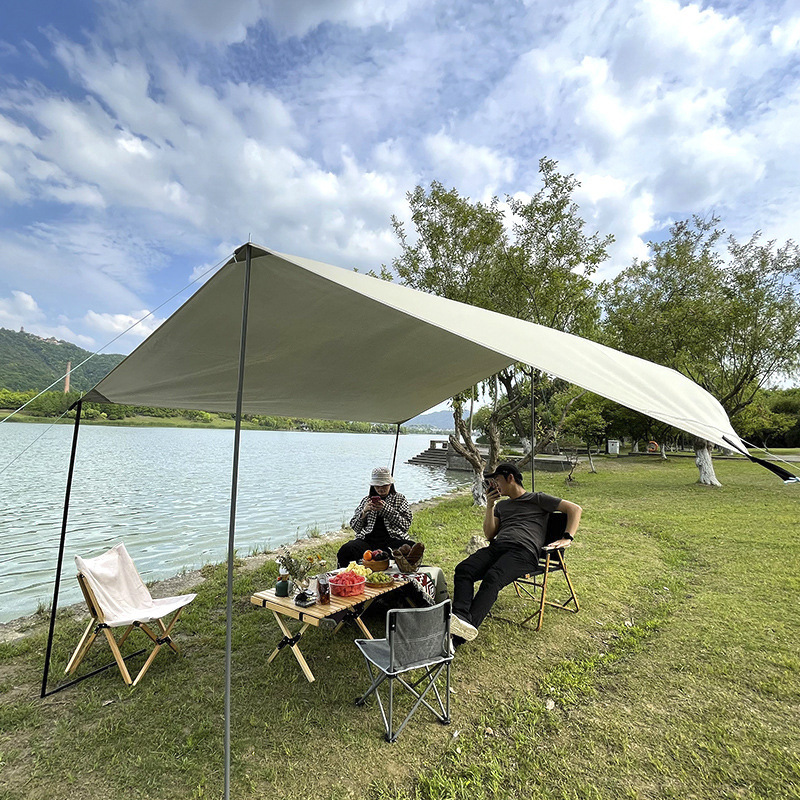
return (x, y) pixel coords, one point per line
(679, 678)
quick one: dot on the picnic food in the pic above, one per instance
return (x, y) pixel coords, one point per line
(408, 558)
(348, 583)
(415, 554)
(379, 579)
(357, 569)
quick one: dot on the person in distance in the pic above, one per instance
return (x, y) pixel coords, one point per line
(381, 521)
(516, 529)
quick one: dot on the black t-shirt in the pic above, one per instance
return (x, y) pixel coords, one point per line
(524, 521)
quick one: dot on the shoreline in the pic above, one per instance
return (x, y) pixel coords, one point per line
(143, 421)
(185, 582)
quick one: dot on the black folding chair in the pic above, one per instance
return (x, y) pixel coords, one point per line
(417, 639)
(534, 584)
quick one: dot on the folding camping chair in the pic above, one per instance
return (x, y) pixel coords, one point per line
(117, 597)
(416, 639)
(534, 584)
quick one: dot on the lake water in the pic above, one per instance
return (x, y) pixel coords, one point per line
(165, 492)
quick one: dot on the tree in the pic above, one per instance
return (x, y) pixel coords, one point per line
(760, 421)
(537, 268)
(731, 325)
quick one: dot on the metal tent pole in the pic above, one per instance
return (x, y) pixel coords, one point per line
(396, 439)
(232, 525)
(533, 435)
(78, 406)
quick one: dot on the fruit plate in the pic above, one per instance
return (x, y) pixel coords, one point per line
(379, 584)
(377, 566)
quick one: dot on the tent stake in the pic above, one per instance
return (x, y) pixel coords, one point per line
(396, 439)
(232, 525)
(54, 607)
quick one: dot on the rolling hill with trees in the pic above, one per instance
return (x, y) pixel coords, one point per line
(29, 362)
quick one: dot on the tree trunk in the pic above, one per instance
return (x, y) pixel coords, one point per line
(591, 463)
(463, 445)
(702, 452)
(493, 435)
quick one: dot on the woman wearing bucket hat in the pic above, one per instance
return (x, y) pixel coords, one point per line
(380, 522)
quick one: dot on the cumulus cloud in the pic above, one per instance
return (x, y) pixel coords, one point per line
(138, 324)
(21, 311)
(186, 128)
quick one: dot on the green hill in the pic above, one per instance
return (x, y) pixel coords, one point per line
(29, 362)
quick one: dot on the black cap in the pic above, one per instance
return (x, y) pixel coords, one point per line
(505, 469)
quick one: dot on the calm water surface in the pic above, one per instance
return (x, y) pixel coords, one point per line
(165, 492)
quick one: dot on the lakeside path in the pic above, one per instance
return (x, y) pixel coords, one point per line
(185, 582)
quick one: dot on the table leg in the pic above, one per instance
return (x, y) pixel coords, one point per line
(357, 619)
(292, 642)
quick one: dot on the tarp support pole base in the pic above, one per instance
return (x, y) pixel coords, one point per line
(92, 673)
(54, 607)
(232, 526)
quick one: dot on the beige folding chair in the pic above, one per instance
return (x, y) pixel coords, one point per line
(117, 598)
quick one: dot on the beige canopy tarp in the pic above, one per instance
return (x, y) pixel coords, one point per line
(328, 343)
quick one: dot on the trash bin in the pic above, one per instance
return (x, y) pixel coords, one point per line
(612, 447)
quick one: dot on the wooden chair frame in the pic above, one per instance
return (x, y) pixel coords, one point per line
(98, 624)
(534, 585)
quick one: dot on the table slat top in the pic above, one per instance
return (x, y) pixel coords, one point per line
(313, 614)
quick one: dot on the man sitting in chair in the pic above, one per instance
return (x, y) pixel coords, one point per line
(516, 530)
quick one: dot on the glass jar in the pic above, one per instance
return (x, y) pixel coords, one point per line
(323, 589)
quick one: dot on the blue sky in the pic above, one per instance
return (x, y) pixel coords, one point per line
(141, 141)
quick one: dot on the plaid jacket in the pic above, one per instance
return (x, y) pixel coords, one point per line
(396, 516)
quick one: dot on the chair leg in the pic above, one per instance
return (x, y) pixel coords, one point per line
(574, 597)
(147, 664)
(89, 635)
(432, 675)
(544, 591)
(112, 643)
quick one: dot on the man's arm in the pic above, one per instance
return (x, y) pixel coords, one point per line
(573, 512)
(490, 522)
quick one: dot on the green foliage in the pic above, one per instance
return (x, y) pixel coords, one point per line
(29, 362)
(536, 268)
(730, 324)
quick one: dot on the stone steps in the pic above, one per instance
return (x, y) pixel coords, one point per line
(434, 456)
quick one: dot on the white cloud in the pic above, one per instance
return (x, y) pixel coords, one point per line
(786, 37)
(475, 170)
(20, 311)
(307, 133)
(138, 324)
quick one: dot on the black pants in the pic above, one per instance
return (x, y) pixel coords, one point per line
(494, 566)
(354, 549)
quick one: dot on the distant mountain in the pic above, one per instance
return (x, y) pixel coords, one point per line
(436, 420)
(29, 362)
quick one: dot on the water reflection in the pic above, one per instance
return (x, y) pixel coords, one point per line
(165, 492)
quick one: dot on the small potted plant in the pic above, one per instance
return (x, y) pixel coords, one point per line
(299, 567)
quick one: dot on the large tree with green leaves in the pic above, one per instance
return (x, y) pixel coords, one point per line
(532, 260)
(728, 318)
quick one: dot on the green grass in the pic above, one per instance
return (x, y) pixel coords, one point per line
(679, 678)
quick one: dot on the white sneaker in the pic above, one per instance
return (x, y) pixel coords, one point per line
(459, 627)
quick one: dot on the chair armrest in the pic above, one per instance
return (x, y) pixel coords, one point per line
(559, 544)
